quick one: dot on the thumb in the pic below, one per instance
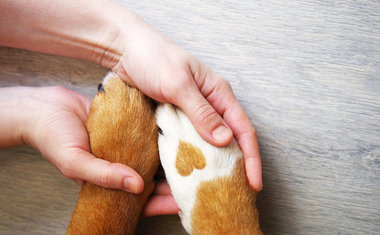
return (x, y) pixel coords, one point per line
(84, 166)
(203, 116)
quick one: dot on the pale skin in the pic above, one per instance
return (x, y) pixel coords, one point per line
(53, 119)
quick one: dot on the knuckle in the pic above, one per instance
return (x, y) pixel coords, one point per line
(206, 115)
(248, 131)
(184, 78)
(179, 86)
(66, 170)
(252, 132)
(105, 180)
(226, 84)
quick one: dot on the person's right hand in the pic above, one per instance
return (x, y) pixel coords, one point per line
(167, 73)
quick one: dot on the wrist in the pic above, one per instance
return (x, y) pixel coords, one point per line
(14, 116)
(123, 30)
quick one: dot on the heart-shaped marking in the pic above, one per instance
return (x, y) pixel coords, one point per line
(188, 158)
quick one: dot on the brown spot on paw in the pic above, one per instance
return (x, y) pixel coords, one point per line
(188, 158)
(226, 205)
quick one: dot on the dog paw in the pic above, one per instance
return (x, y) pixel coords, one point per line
(187, 159)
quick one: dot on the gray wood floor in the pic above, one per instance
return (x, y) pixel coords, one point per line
(306, 72)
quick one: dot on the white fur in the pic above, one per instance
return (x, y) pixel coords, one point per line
(109, 75)
(220, 161)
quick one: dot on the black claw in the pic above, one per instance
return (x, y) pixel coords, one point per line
(100, 87)
(160, 131)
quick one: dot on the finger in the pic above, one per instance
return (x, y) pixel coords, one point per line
(246, 136)
(160, 205)
(221, 97)
(84, 166)
(248, 143)
(203, 116)
(162, 188)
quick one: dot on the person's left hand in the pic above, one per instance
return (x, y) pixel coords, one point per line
(52, 119)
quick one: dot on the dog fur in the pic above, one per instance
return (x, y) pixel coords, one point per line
(208, 182)
(122, 128)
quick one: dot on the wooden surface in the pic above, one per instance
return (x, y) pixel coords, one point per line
(306, 72)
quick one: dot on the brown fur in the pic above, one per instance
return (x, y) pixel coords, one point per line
(122, 129)
(188, 158)
(226, 206)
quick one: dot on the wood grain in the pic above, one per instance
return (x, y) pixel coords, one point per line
(308, 75)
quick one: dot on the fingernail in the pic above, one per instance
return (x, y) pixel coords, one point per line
(129, 185)
(221, 133)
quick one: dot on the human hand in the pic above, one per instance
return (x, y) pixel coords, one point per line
(52, 120)
(167, 73)
(114, 37)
